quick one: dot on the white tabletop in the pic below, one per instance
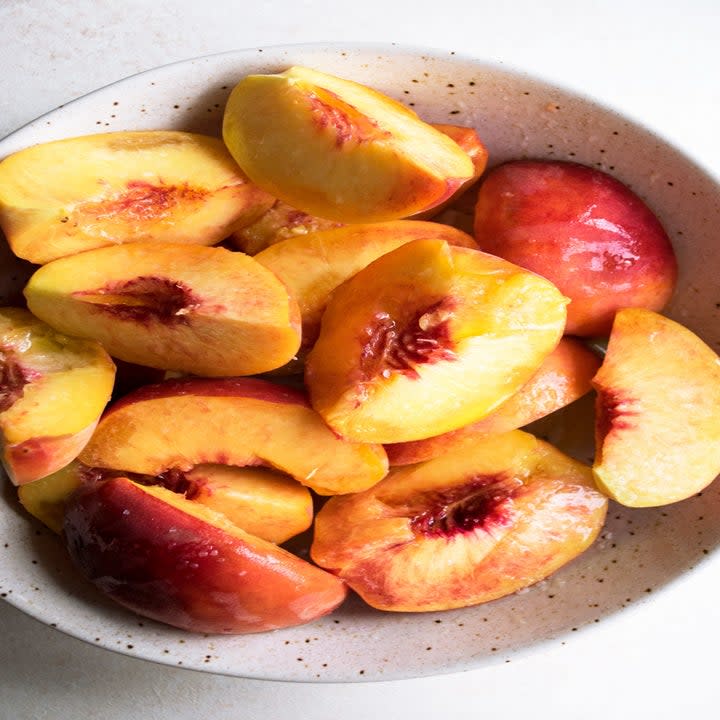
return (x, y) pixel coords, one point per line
(657, 62)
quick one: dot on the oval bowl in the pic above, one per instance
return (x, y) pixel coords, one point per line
(639, 552)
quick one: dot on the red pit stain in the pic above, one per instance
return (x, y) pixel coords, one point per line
(346, 122)
(613, 412)
(173, 479)
(13, 378)
(425, 339)
(144, 201)
(142, 299)
(482, 501)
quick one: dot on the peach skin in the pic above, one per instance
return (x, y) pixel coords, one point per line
(181, 563)
(583, 230)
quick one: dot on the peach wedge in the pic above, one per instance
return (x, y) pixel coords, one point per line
(658, 412)
(564, 376)
(334, 148)
(282, 221)
(493, 516)
(175, 561)
(71, 195)
(313, 265)
(53, 389)
(189, 308)
(428, 338)
(176, 425)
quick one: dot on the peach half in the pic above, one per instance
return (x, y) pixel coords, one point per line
(658, 412)
(53, 389)
(175, 561)
(564, 376)
(493, 516)
(71, 195)
(189, 308)
(178, 424)
(313, 265)
(428, 338)
(583, 230)
(337, 149)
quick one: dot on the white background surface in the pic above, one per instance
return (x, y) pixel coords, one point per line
(656, 62)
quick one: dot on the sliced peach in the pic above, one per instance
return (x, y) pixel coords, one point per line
(179, 424)
(282, 221)
(428, 338)
(584, 230)
(564, 376)
(658, 411)
(180, 563)
(53, 389)
(188, 308)
(261, 501)
(339, 150)
(493, 516)
(70, 195)
(313, 265)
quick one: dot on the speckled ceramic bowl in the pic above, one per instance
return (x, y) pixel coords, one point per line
(640, 551)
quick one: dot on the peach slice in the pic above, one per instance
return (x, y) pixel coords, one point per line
(493, 516)
(180, 563)
(189, 308)
(584, 230)
(261, 501)
(428, 338)
(53, 389)
(178, 424)
(339, 150)
(63, 197)
(282, 221)
(564, 376)
(313, 265)
(658, 412)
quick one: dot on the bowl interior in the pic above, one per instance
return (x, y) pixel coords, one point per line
(516, 115)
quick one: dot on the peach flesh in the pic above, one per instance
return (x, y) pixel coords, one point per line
(246, 421)
(492, 516)
(429, 338)
(564, 376)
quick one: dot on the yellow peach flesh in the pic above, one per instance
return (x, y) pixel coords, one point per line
(658, 411)
(337, 149)
(71, 195)
(493, 516)
(427, 339)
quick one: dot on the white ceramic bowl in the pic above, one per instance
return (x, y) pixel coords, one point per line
(639, 552)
